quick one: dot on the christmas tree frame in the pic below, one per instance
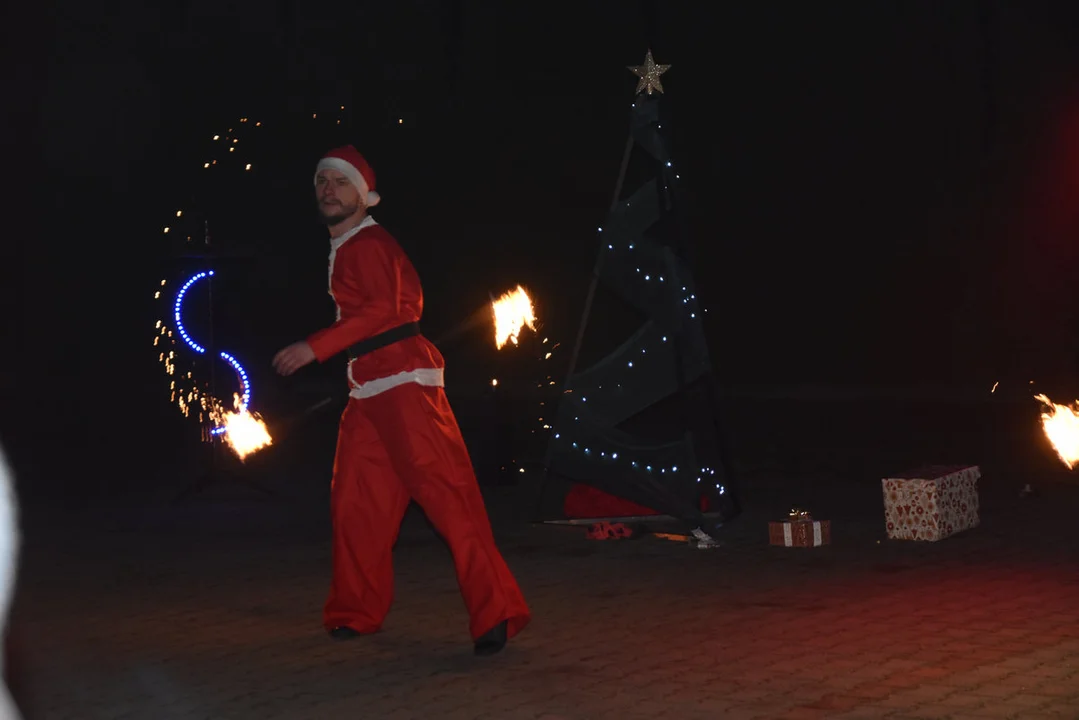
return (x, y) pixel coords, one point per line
(666, 359)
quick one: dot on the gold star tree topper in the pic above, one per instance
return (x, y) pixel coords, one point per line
(649, 75)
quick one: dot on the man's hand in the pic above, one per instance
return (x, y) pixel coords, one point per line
(294, 357)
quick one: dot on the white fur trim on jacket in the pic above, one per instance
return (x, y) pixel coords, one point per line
(431, 377)
(335, 245)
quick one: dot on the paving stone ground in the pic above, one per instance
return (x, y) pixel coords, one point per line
(213, 611)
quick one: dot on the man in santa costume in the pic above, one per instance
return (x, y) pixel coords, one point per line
(398, 439)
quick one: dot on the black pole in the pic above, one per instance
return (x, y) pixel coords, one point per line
(211, 345)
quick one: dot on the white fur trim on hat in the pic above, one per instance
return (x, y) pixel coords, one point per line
(355, 177)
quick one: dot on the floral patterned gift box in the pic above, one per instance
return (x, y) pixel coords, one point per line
(931, 503)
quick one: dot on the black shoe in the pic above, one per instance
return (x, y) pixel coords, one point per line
(492, 641)
(344, 632)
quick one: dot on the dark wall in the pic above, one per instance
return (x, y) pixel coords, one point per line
(880, 194)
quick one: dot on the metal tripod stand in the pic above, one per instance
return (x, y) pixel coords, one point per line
(221, 467)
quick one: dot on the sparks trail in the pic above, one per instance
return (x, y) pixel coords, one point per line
(243, 431)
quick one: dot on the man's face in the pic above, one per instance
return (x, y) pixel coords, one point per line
(338, 199)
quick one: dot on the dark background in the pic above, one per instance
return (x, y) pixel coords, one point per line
(881, 194)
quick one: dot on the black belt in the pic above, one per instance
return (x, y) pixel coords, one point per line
(383, 339)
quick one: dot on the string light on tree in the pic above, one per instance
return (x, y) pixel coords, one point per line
(625, 460)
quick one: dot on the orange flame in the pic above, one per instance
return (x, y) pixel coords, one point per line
(1060, 424)
(244, 432)
(513, 311)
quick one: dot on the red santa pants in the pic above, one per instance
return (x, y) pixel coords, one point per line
(401, 444)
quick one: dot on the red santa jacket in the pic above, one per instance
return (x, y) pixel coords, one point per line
(375, 288)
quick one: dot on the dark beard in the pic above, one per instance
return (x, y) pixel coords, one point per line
(331, 215)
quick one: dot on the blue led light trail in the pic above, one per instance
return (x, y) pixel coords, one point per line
(241, 374)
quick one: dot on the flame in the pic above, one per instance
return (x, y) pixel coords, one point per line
(244, 432)
(513, 311)
(1060, 424)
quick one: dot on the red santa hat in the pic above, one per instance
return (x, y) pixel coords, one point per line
(348, 161)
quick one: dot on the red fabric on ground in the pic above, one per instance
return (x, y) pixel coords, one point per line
(584, 501)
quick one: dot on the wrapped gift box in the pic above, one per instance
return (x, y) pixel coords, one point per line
(800, 533)
(931, 503)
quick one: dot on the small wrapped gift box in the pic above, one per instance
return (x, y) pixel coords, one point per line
(931, 503)
(800, 531)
